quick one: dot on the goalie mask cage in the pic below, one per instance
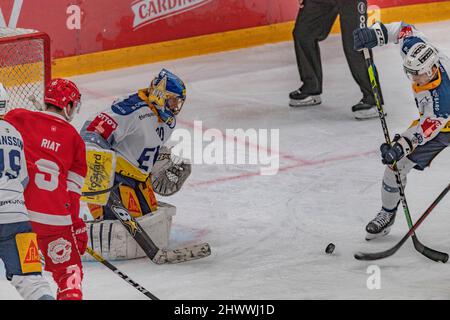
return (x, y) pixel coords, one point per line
(25, 65)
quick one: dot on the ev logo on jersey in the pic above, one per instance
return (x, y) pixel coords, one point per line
(149, 11)
(59, 250)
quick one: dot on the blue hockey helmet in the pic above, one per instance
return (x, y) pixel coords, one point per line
(167, 93)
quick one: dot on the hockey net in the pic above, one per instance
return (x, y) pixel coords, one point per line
(25, 66)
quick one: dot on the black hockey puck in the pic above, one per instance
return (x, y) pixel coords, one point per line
(330, 248)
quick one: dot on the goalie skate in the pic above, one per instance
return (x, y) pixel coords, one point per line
(380, 226)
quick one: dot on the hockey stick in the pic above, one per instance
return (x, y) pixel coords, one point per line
(391, 251)
(157, 255)
(427, 252)
(111, 267)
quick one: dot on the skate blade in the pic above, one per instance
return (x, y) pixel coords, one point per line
(371, 236)
(366, 114)
(313, 101)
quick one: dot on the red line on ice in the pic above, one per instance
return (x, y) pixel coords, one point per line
(281, 169)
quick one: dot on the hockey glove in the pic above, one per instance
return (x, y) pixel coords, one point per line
(391, 154)
(169, 173)
(369, 38)
(80, 232)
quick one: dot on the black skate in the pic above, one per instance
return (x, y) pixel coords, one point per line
(299, 99)
(380, 225)
(363, 111)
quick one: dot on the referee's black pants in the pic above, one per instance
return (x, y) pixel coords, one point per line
(313, 24)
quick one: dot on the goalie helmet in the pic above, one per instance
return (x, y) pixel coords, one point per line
(64, 94)
(420, 60)
(4, 99)
(167, 93)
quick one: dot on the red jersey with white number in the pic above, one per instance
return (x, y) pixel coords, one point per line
(56, 163)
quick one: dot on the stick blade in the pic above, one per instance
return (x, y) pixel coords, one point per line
(363, 256)
(430, 253)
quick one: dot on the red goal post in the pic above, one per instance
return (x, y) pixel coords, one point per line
(25, 65)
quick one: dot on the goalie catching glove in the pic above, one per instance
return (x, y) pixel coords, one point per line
(169, 173)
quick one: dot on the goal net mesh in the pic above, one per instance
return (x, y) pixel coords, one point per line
(24, 66)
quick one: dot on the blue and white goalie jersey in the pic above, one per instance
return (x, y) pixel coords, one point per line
(13, 175)
(132, 128)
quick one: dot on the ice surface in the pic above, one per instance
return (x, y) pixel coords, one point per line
(269, 233)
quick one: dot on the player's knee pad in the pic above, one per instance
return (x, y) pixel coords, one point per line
(404, 166)
(69, 283)
(32, 287)
(390, 181)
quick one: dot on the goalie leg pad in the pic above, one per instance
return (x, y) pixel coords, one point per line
(114, 242)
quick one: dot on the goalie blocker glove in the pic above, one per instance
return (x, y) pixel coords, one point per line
(391, 154)
(377, 35)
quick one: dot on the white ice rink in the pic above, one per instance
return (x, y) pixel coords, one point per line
(268, 233)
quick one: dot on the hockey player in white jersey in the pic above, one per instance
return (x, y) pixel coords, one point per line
(428, 68)
(18, 244)
(136, 129)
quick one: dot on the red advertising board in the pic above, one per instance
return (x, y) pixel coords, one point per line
(86, 26)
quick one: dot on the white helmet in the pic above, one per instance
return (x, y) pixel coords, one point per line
(420, 59)
(4, 99)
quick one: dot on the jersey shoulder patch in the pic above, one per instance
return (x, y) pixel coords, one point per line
(128, 105)
(104, 125)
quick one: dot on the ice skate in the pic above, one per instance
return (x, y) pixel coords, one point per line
(363, 111)
(299, 99)
(381, 225)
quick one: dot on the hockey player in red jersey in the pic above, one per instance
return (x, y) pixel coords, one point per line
(56, 162)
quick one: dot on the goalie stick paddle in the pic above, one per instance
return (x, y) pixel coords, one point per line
(376, 89)
(157, 255)
(111, 267)
(394, 249)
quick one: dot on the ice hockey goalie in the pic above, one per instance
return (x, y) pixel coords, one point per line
(126, 153)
